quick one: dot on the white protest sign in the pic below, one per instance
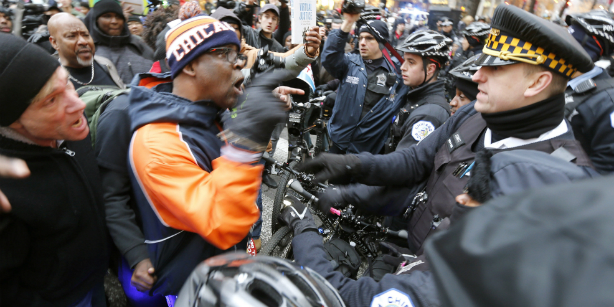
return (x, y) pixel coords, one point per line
(303, 17)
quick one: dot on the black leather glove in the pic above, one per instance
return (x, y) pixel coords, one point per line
(331, 167)
(257, 112)
(297, 216)
(331, 197)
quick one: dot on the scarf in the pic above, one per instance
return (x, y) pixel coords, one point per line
(530, 121)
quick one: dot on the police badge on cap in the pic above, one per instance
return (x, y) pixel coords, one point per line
(519, 36)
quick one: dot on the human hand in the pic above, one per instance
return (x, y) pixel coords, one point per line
(143, 276)
(323, 32)
(296, 216)
(127, 10)
(350, 18)
(331, 197)
(331, 167)
(257, 112)
(284, 92)
(13, 168)
(313, 39)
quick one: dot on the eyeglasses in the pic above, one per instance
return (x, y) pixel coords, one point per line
(232, 55)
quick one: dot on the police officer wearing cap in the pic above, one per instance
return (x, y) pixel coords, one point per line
(589, 97)
(368, 96)
(525, 66)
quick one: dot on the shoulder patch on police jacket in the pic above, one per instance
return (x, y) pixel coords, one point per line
(392, 298)
(422, 129)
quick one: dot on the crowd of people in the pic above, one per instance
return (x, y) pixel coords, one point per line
(131, 150)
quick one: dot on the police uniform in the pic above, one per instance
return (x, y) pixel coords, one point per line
(424, 111)
(590, 109)
(366, 101)
(444, 158)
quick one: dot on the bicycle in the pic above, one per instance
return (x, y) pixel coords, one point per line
(363, 232)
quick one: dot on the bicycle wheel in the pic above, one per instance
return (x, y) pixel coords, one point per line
(279, 245)
(279, 197)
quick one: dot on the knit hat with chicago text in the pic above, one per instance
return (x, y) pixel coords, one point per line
(193, 37)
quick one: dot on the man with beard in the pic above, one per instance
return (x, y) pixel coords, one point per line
(76, 49)
(196, 194)
(6, 21)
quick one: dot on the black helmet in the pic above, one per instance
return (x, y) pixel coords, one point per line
(597, 23)
(466, 70)
(370, 13)
(429, 44)
(477, 31)
(238, 279)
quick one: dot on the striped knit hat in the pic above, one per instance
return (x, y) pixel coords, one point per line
(193, 37)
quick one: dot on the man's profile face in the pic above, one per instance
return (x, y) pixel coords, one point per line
(268, 21)
(368, 46)
(412, 70)
(223, 87)
(446, 29)
(6, 25)
(111, 24)
(501, 88)
(74, 44)
(58, 115)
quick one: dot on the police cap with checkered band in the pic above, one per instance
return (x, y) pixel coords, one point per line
(517, 36)
(429, 44)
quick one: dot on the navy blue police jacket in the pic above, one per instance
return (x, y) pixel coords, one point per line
(346, 129)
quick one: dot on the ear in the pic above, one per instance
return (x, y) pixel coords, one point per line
(430, 69)
(53, 42)
(190, 69)
(538, 82)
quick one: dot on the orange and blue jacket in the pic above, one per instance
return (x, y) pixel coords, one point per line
(193, 203)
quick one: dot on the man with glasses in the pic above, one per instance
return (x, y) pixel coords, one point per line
(196, 194)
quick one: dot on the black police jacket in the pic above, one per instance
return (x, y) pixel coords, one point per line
(424, 111)
(415, 289)
(593, 124)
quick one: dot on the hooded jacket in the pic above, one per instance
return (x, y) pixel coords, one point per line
(193, 203)
(54, 249)
(128, 53)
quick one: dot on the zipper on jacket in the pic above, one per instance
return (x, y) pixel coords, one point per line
(68, 152)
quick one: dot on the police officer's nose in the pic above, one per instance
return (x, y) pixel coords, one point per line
(479, 77)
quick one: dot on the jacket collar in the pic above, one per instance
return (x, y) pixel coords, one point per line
(157, 103)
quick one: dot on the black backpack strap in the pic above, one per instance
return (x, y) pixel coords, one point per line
(585, 90)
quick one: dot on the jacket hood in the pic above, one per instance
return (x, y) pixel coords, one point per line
(152, 101)
(111, 41)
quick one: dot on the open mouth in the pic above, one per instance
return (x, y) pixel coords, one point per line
(78, 123)
(238, 86)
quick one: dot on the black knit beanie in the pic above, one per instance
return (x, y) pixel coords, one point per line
(470, 89)
(106, 6)
(24, 70)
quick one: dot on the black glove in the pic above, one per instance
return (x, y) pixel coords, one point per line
(257, 112)
(331, 197)
(297, 216)
(321, 88)
(396, 254)
(330, 100)
(331, 167)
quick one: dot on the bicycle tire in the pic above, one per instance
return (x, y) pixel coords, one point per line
(270, 246)
(279, 197)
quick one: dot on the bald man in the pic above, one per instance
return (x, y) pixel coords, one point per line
(76, 49)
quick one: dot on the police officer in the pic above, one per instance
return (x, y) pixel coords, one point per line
(526, 64)
(365, 102)
(426, 108)
(475, 34)
(466, 88)
(589, 97)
